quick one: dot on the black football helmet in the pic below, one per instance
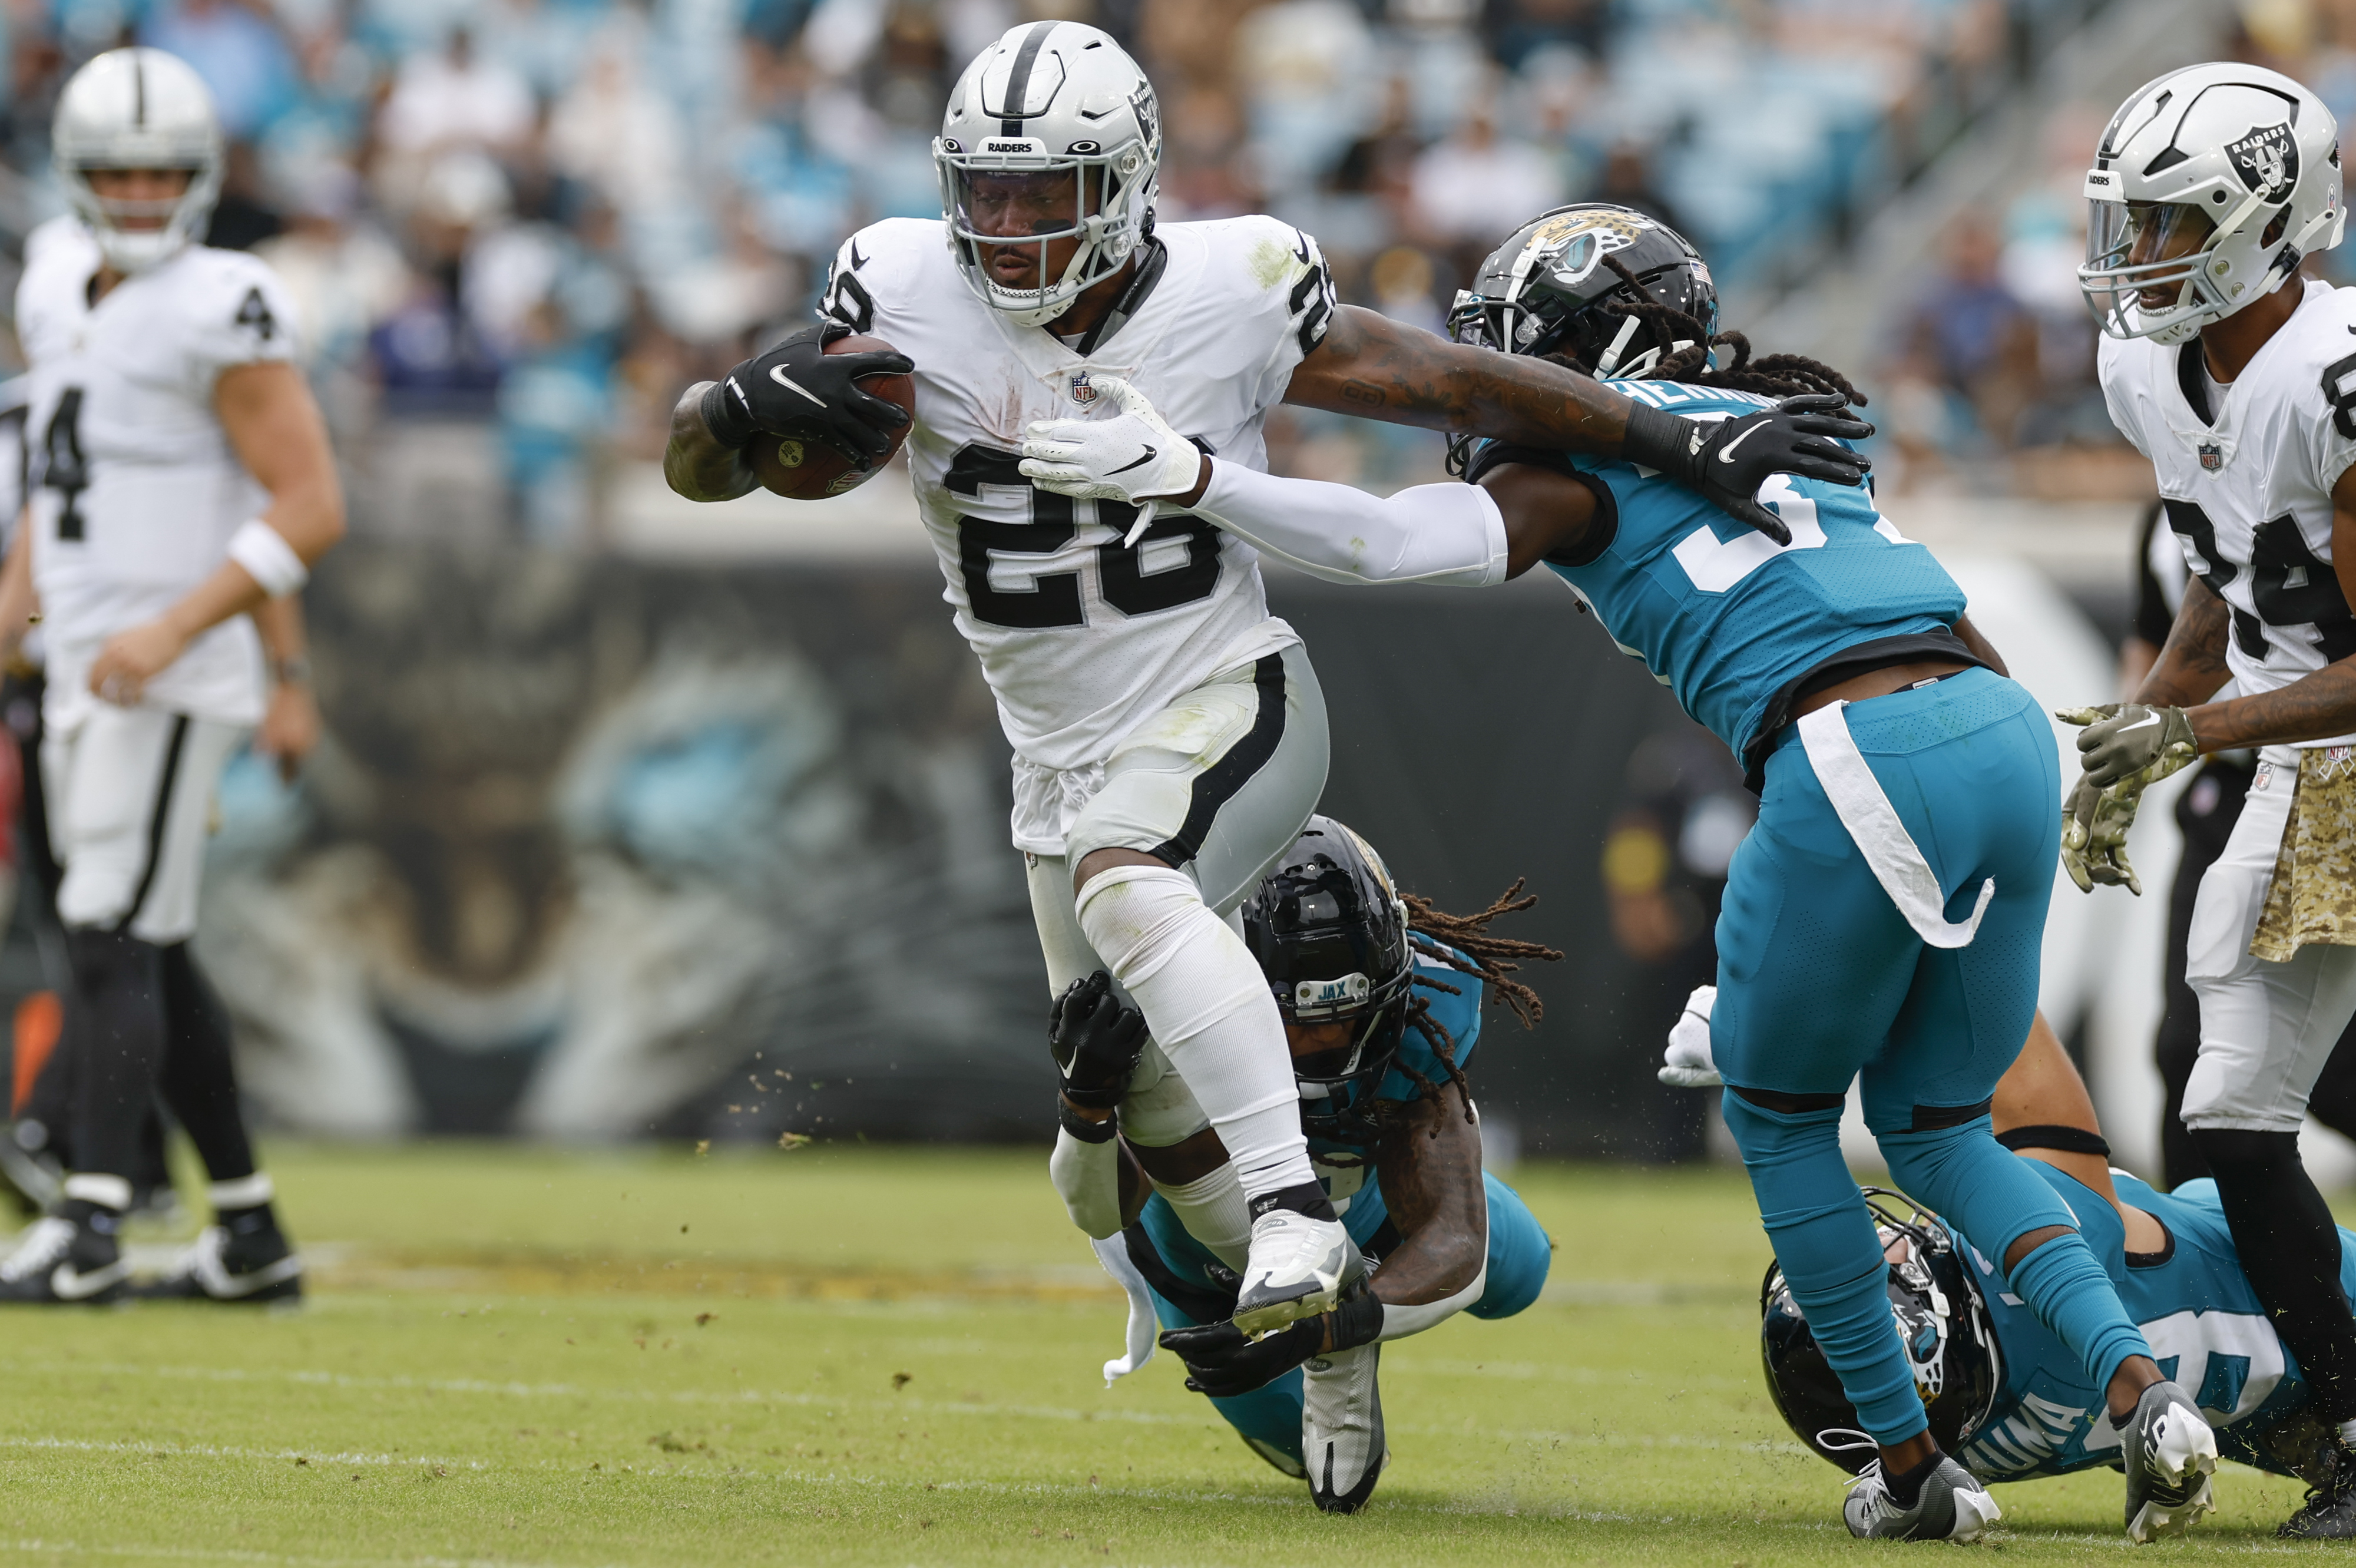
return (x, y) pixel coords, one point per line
(1330, 932)
(1547, 290)
(1942, 1320)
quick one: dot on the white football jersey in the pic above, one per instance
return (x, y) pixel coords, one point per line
(1080, 638)
(2248, 490)
(133, 488)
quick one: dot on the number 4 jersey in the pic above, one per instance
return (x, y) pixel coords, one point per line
(134, 490)
(2246, 474)
(1081, 636)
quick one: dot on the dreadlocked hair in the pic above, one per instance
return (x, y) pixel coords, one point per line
(1777, 375)
(1464, 943)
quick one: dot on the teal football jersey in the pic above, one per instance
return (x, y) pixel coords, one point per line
(1724, 616)
(1353, 1186)
(2194, 1305)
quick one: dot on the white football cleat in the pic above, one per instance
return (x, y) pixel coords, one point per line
(2169, 1453)
(1952, 1506)
(1341, 1427)
(1297, 1268)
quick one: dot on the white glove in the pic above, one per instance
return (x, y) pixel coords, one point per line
(1132, 456)
(1686, 1064)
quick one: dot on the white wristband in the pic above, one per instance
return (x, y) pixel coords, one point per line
(264, 551)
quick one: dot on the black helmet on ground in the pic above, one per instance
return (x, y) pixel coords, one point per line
(1941, 1321)
(1330, 931)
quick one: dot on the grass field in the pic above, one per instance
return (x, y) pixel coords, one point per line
(855, 1355)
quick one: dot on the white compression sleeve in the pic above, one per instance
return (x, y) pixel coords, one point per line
(1398, 1322)
(1087, 1177)
(1208, 1005)
(1451, 534)
(1214, 1211)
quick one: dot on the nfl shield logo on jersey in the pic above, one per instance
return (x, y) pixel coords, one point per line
(1083, 393)
(2212, 457)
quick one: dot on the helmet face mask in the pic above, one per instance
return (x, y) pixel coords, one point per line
(2211, 185)
(1330, 932)
(137, 110)
(1048, 157)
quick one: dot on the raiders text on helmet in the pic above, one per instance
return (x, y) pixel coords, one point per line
(1052, 133)
(138, 109)
(1941, 1320)
(2212, 184)
(1548, 287)
(1330, 932)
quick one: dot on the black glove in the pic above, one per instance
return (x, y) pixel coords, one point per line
(1725, 463)
(799, 389)
(1222, 1363)
(1097, 1042)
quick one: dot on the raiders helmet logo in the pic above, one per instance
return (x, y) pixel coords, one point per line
(2212, 457)
(2267, 160)
(1083, 392)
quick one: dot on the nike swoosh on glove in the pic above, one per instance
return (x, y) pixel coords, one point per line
(1688, 1064)
(1095, 1040)
(1222, 1363)
(797, 388)
(1134, 456)
(1727, 462)
(2132, 741)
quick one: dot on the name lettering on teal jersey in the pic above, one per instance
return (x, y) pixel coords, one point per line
(2206, 1328)
(1724, 616)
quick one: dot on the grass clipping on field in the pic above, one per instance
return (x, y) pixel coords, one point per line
(867, 1355)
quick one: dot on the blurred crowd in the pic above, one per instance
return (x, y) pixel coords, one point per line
(544, 217)
(1986, 375)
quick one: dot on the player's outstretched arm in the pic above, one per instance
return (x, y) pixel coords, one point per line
(274, 426)
(1375, 367)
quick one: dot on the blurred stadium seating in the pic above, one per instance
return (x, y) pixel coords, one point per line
(615, 834)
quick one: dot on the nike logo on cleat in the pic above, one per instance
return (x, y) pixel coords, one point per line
(778, 374)
(70, 1284)
(1149, 455)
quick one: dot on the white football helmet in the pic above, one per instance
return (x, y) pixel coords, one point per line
(138, 109)
(1052, 132)
(2210, 185)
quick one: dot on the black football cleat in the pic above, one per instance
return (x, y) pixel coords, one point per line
(65, 1262)
(241, 1270)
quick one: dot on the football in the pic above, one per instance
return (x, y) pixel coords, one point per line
(808, 466)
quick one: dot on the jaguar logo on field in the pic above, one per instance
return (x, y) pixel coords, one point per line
(2266, 159)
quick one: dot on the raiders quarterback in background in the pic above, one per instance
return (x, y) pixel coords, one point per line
(180, 478)
(2238, 379)
(1169, 735)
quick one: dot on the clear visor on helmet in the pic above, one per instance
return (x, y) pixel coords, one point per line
(1026, 225)
(2143, 261)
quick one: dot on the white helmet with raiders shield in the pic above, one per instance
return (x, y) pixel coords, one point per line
(2212, 184)
(1052, 133)
(138, 109)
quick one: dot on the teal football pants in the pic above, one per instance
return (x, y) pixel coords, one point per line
(1822, 982)
(1269, 1418)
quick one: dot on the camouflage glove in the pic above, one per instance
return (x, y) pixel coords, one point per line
(2094, 824)
(2131, 744)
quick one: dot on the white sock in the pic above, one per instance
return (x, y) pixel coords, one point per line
(1213, 1212)
(246, 1192)
(1210, 1010)
(107, 1191)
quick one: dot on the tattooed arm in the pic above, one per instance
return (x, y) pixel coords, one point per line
(1375, 367)
(1430, 1163)
(2193, 665)
(695, 464)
